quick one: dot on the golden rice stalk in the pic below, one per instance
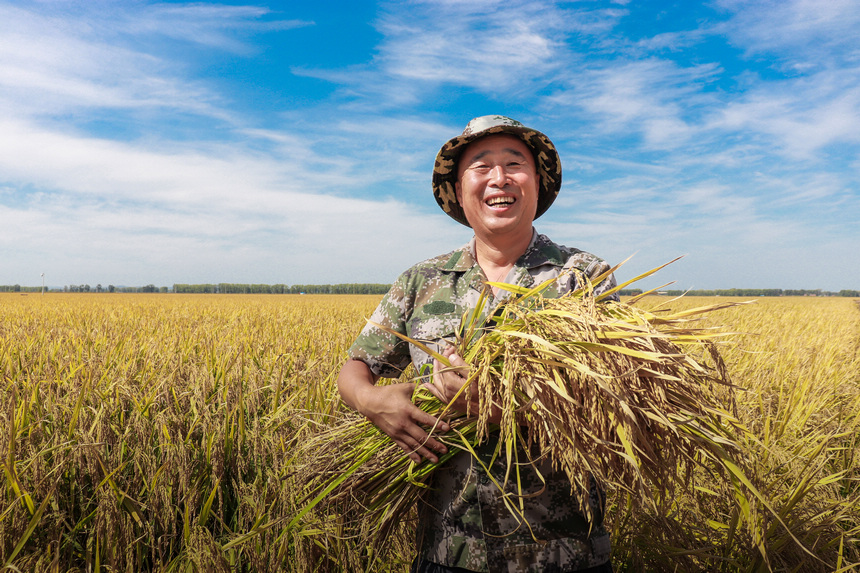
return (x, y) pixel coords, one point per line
(601, 388)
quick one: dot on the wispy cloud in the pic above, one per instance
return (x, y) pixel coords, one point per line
(800, 116)
(469, 44)
(502, 49)
(58, 67)
(653, 98)
(799, 34)
(101, 204)
(214, 25)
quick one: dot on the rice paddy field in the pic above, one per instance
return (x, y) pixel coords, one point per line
(164, 432)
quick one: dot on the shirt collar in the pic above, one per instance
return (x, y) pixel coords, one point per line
(471, 245)
(539, 252)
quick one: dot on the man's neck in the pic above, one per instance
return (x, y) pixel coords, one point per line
(501, 252)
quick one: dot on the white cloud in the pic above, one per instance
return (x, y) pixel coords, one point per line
(800, 33)
(197, 228)
(501, 48)
(653, 97)
(213, 25)
(452, 51)
(52, 66)
(801, 115)
(165, 212)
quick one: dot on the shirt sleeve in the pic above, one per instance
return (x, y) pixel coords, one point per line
(591, 267)
(384, 353)
(606, 284)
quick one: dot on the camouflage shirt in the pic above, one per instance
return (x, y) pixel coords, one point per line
(463, 518)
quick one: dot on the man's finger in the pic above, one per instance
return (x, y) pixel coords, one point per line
(425, 419)
(410, 452)
(417, 450)
(435, 391)
(427, 442)
(457, 361)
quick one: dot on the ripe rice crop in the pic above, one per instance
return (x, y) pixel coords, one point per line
(152, 432)
(159, 433)
(797, 363)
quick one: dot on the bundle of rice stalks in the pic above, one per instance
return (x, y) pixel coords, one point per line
(603, 389)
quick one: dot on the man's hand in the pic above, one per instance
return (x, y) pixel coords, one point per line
(447, 382)
(390, 409)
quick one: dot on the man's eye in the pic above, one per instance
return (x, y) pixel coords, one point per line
(481, 168)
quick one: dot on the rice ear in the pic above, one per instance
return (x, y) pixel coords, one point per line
(617, 288)
(414, 342)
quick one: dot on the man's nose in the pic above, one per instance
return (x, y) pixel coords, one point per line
(499, 176)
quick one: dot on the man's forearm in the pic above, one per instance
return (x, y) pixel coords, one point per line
(355, 380)
(389, 407)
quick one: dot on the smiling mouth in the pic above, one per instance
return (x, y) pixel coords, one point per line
(499, 201)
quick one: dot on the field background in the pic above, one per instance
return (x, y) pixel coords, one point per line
(163, 432)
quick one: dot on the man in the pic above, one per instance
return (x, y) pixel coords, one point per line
(497, 178)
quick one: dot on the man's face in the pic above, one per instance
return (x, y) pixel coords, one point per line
(497, 186)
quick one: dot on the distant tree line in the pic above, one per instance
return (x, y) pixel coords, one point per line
(377, 288)
(112, 288)
(234, 288)
(219, 288)
(19, 288)
(755, 292)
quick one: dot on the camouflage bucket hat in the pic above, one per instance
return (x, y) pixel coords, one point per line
(546, 159)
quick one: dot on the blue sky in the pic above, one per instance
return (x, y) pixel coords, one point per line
(293, 142)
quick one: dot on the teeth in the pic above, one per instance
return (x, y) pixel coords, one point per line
(500, 201)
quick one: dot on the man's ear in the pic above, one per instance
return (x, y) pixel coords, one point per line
(457, 193)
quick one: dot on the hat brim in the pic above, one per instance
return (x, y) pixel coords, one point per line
(546, 161)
